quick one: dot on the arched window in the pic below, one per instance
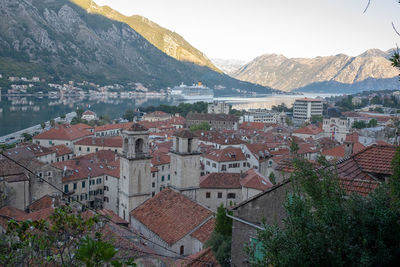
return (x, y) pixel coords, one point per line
(139, 146)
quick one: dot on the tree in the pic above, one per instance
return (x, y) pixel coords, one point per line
(221, 239)
(129, 115)
(359, 124)
(316, 118)
(272, 178)
(288, 121)
(27, 137)
(327, 227)
(52, 123)
(294, 147)
(203, 126)
(372, 123)
(63, 116)
(43, 125)
(64, 240)
(79, 112)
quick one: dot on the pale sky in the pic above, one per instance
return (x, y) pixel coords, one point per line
(245, 29)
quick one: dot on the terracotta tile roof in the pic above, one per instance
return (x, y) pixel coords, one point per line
(220, 180)
(27, 150)
(260, 151)
(184, 134)
(158, 113)
(114, 141)
(170, 215)
(42, 203)
(211, 117)
(117, 126)
(42, 214)
(64, 132)
(219, 137)
(255, 180)
(112, 216)
(353, 137)
(305, 148)
(160, 159)
(338, 152)
(309, 129)
(252, 126)
(226, 155)
(61, 150)
(203, 258)
(203, 233)
(136, 127)
(177, 120)
(93, 165)
(13, 213)
(83, 126)
(376, 159)
(358, 186)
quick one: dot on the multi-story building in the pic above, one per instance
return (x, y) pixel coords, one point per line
(216, 121)
(264, 116)
(336, 128)
(230, 159)
(305, 108)
(218, 107)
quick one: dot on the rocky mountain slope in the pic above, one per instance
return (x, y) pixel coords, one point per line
(228, 66)
(167, 41)
(60, 41)
(288, 74)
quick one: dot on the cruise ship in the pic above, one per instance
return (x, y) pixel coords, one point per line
(194, 92)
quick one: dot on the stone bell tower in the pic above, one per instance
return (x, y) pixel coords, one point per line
(135, 179)
(185, 163)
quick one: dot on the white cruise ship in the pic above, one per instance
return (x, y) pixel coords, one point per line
(193, 92)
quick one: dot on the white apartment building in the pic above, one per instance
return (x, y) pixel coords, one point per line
(305, 108)
(264, 116)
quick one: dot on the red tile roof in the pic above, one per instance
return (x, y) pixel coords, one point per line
(170, 215)
(160, 159)
(42, 203)
(256, 180)
(64, 132)
(221, 180)
(252, 126)
(204, 232)
(202, 258)
(27, 150)
(260, 151)
(114, 141)
(376, 159)
(338, 152)
(117, 126)
(61, 150)
(226, 155)
(112, 216)
(309, 129)
(88, 112)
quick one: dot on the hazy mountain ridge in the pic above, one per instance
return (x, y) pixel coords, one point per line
(167, 41)
(228, 66)
(59, 41)
(288, 74)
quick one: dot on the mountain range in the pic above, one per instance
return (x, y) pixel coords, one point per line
(61, 41)
(370, 70)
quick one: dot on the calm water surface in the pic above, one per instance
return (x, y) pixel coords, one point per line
(17, 113)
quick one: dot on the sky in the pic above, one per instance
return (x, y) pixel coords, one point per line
(245, 29)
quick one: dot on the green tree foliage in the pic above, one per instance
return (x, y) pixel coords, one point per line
(327, 227)
(43, 125)
(63, 240)
(27, 137)
(236, 112)
(396, 59)
(221, 239)
(79, 112)
(372, 123)
(316, 118)
(359, 124)
(272, 178)
(52, 123)
(294, 147)
(282, 108)
(129, 115)
(376, 100)
(203, 126)
(183, 108)
(63, 116)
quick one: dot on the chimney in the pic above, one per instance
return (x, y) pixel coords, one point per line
(348, 148)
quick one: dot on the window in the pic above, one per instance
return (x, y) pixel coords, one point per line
(207, 163)
(154, 175)
(214, 165)
(169, 177)
(80, 148)
(219, 194)
(231, 195)
(162, 167)
(152, 194)
(97, 149)
(208, 194)
(153, 185)
(162, 178)
(106, 178)
(223, 167)
(98, 181)
(182, 250)
(50, 142)
(83, 184)
(244, 164)
(66, 188)
(75, 186)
